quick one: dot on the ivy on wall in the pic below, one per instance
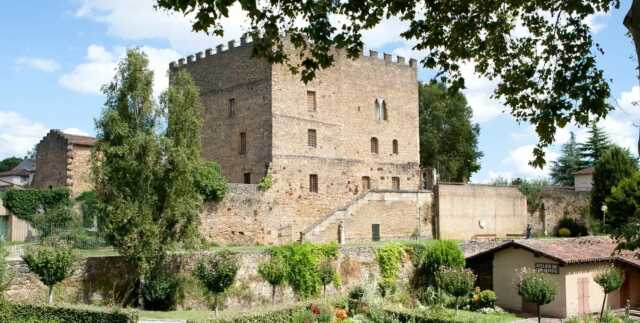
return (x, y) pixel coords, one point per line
(25, 203)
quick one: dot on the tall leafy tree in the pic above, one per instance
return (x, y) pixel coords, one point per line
(595, 146)
(448, 137)
(623, 212)
(540, 53)
(9, 163)
(569, 162)
(615, 165)
(146, 179)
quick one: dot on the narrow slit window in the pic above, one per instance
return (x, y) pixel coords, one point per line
(366, 183)
(395, 147)
(374, 145)
(312, 103)
(247, 178)
(232, 107)
(312, 138)
(313, 183)
(395, 183)
(243, 143)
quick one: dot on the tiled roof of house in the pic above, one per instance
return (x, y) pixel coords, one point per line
(79, 140)
(584, 171)
(571, 250)
(24, 168)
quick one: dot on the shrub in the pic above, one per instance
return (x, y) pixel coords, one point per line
(266, 182)
(610, 280)
(52, 263)
(456, 281)
(389, 258)
(5, 275)
(356, 299)
(25, 203)
(210, 182)
(328, 275)
(274, 272)
(564, 233)
(162, 290)
(536, 288)
(217, 273)
(427, 260)
(484, 299)
(576, 228)
(12, 312)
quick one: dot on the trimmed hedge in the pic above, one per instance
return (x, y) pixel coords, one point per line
(12, 312)
(276, 316)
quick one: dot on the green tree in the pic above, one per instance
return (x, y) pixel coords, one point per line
(540, 54)
(623, 212)
(569, 162)
(217, 273)
(615, 165)
(536, 288)
(595, 147)
(51, 262)
(429, 258)
(9, 163)
(458, 282)
(448, 138)
(147, 181)
(610, 280)
(274, 272)
(5, 274)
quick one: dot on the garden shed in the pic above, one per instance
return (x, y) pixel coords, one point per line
(571, 263)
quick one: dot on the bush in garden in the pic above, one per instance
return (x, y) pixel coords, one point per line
(564, 233)
(274, 272)
(428, 258)
(484, 299)
(217, 273)
(51, 262)
(389, 258)
(328, 275)
(610, 280)
(162, 290)
(456, 281)
(536, 288)
(356, 299)
(575, 228)
(31, 313)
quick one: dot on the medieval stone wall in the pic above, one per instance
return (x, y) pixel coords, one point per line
(477, 211)
(79, 169)
(51, 162)
(556, 204)
(232, 74)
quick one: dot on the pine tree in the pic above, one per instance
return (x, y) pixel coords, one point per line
(568, 163)
(596, 145)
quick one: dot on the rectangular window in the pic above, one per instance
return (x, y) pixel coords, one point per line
(247, 178)
(313, 183)
(243, 143)
(366, 183)
(232, 107)
(375, 232)
(311, 138)
(311, 101)
(395, 183)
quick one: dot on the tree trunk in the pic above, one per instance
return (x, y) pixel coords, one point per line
(51, 294)
(604, 301)
(273, 294)
(140, 289)
(539, 315)
(632, 22)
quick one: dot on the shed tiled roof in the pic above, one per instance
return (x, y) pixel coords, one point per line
(79, 140)
(570, 250)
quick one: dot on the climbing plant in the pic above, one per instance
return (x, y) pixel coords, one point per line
(25, 203)
(389, 258)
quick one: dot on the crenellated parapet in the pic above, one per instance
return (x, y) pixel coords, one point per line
(245, 41)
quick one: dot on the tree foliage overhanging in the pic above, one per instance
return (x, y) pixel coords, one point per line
(540, 53)
(448, 138)
(147, 180)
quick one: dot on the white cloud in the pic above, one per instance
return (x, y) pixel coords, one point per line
(101, 64)
(41, 64)
(75, 131)
(518, 162)
(18, 135)
(138, 20)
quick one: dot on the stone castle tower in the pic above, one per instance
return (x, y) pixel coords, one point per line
(352, 129)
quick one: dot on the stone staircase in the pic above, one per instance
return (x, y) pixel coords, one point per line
(312, 233)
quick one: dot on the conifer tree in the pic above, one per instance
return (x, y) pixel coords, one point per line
(568, 163)
(595, 146)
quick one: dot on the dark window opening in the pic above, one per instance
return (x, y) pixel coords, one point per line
(374, 145)
(232, 107)
(311, 138)
(247, 178)
(366, 183)
(311, 101)
(313, 183)
(375, 232)
(395, 183)
(243, 143)
(395, 147)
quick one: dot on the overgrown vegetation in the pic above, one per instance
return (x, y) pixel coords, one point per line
(570, 227)
(27, 203)
(51, 262)
(266, 182)
(5, 274)
(389, 258)
(623, 217)
(429, 257)
(210, 182)
(163, 289)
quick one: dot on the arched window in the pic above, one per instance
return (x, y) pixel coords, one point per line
(380, 109)
(395, 147)
(374, 145)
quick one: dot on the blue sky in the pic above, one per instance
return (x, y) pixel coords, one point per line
(55, 55)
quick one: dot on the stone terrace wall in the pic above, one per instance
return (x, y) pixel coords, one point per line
(558, 203)
(473, 211)
(108, 280)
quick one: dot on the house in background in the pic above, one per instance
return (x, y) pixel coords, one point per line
(19, 176)
(572, 263)
(583, 179)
